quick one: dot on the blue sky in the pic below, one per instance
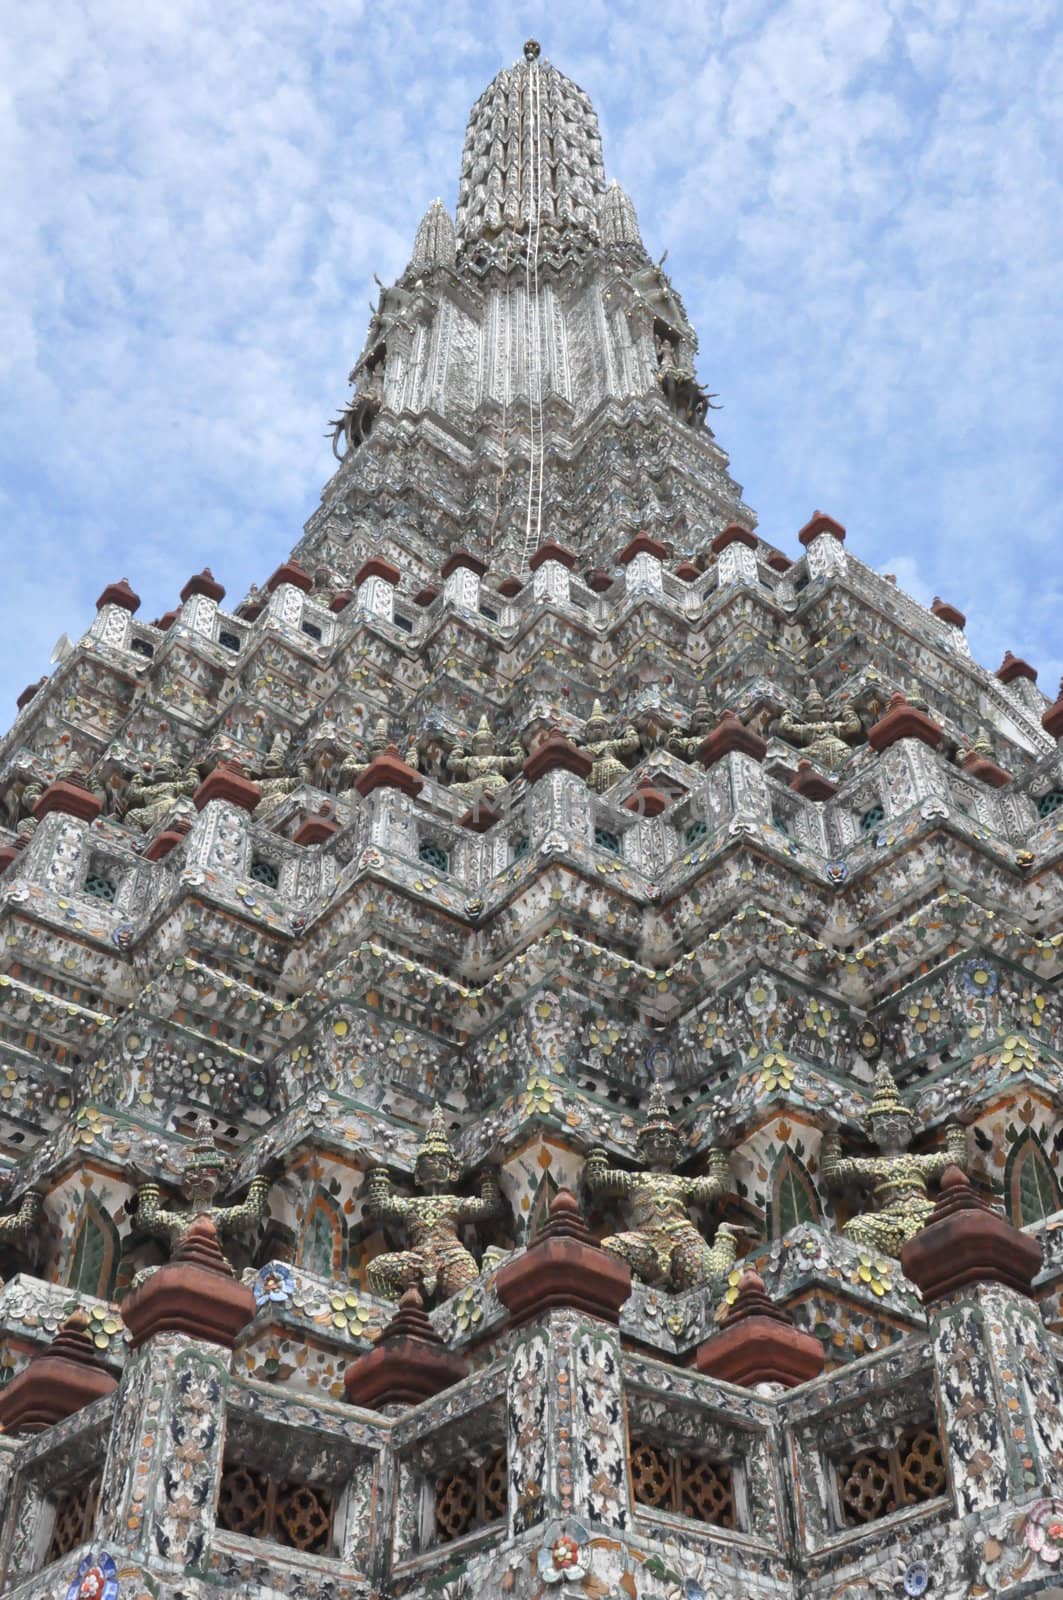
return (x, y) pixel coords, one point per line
(860, 200)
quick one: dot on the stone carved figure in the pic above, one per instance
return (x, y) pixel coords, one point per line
(355, 422)
(273, 780)
(898, 1178)
(437, 1263)
(201, 1180)
(611, 756)
(826, 740)
(702, 722)
(679, 384)
(664, 1248)
(355, 761)
(480, 767)
(22, 1224)
(149, 799)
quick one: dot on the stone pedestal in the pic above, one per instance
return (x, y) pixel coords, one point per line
(194, 1293)
(408, 1364)
(60, 1381)
(758, 1343)
(730, 735)
(388, 771)
(903, 721)
(227, 783)
(564, 1267)
(998, 1382)
(556, 754)
(70, 797)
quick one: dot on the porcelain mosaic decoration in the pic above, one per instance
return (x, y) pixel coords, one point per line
(531, 1043)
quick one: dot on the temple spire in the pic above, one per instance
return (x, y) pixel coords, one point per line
(617, 219)
(532, 163)
(435, 244)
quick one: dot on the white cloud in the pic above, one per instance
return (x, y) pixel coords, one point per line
(860, 199)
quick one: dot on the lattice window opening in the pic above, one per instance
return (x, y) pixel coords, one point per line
(72, 1512)
(433, 855)
(683, 1483)
(267, 873)
(285, 1511)
(881, 1479)
(606, 839)
(469, 1497)
(872, 819)
(695, 832)
(102, 881)
(1049, 803)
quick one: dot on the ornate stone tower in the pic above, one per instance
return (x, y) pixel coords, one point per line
(530, 1047)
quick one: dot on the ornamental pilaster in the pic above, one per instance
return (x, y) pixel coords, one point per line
(160, 1478)
(566, 1424)
(910, 774)
(220, 840)
(825, 556)
(1001, 1399)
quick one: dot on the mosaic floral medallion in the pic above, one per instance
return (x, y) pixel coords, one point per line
(565, 1556)
(1044, 1530)
(97, 1579)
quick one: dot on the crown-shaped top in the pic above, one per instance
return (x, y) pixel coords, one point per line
(532, 163)
(885, 1099)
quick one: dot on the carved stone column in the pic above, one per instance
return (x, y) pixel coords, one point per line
(376, 581)
(644, 560)
(160, 1479)
(998, 1381)
(823, 539)
(461, 580)
(550, 566)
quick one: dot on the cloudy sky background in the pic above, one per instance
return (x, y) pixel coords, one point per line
(860, 200)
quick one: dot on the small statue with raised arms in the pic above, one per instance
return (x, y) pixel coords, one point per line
(480, 767)
(826, 740)
(702, 722)
(203, 1169)
(149, 799)
(898, 1178)
(437, 1263)
(664, 1248)
(610, 755)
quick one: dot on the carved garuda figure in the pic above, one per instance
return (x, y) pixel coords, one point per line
(664, 1247)
(148, 800)
(437, 1263)
(826, 740)
(606, 752)
(702, 722)
(898, 1178)
(200, 1182)
(480, 767)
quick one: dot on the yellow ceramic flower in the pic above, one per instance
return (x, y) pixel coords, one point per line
(875, 1273)
(1018, 1053)
(777, 1072)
